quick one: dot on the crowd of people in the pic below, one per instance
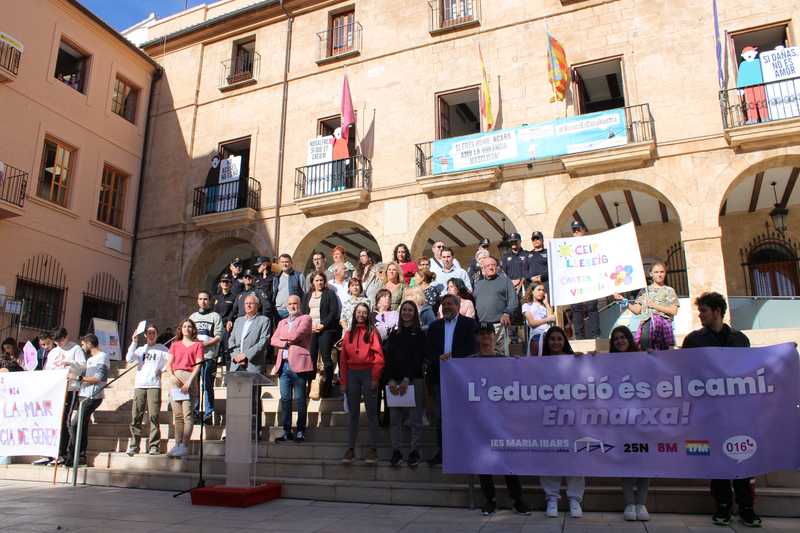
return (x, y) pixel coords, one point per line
(378, 334)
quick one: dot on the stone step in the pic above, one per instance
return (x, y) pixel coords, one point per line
(605, 498)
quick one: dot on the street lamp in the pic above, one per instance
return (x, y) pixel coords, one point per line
(778, 213)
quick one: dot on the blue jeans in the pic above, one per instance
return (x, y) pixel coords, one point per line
(208, 373)
(292, 385)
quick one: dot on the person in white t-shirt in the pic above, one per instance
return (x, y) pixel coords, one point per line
(538, 315)
(92, 381)
(150, 360)
(65, 355)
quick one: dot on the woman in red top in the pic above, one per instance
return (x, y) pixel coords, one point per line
(184, 354)
(402, 257)
(360, 368)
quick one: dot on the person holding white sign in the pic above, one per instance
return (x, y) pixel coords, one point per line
(404, 355)
(64, 355)
(657, 304)
(150, 361)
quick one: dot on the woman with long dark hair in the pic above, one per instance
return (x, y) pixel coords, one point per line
(360, 368)
(182, 366)
(404, 353)
(402, 256)
(556, 343)
(634, 489)
(322, 304)
(457, 287)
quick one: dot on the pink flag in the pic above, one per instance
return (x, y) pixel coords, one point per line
(348, 115)
(29, 353)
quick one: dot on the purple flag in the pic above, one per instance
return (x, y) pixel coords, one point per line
(718, 47)
(696, 413)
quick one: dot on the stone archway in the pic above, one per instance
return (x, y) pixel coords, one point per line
(216, 254)
(461, 225)
(350, 235)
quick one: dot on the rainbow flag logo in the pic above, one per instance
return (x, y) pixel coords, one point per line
(698, 447)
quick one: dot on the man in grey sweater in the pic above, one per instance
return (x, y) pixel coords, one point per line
(495, 301)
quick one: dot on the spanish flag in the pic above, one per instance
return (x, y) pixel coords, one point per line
(487, 118)
(557, 68)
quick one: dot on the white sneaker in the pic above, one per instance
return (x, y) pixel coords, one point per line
(642, 514)
(183, 452)
(630, 513)
(552, 508)
(575, 510)
(175, 451)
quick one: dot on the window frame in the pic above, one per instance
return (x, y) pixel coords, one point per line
(575, 88)
(733, 57)
(349, 38)
(351, 140)
(44, 303)
(133, 90)
(65, 183)
(111, 198)
(85, 58)
(438, 107)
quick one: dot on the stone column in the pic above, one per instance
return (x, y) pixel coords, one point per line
(705, 265)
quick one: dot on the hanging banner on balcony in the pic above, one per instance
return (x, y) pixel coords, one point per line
(697, 413)
(594, 266)
(230, 170)
(559, 137)
(783, 97)
(11, 41)
(31, 405)
(319, 169)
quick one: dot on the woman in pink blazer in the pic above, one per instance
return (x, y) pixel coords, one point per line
(293, 365)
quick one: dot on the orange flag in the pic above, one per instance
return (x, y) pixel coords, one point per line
(557, 68)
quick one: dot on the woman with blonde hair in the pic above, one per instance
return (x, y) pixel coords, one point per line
(395, 284)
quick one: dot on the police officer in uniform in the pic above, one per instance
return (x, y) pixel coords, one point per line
(515, 265)
(225, 306)
(237, 283)
(263, 286)
(248, 288)
(537, 260)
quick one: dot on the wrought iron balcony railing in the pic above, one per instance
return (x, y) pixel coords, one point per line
(13, 187)
(344, 174)
(447, 14)
(639, 125)
(242, 68)
(228, 196)
(767, 102)
(339, 41)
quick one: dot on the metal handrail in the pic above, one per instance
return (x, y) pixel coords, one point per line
(344, 174)
(227, 196)
(328, 47)
(764, 102)
(10, 58)
(461, 13)
(15, 185)
(244, 67)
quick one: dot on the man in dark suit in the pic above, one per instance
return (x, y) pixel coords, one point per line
(454, 335)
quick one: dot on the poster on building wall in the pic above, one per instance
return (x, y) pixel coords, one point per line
(556, 138)
(320, 165)
(780, 69)
(30, 417)
(230, 170)
(107, 332)
(595, 266)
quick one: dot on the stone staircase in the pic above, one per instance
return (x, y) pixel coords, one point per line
(312, 470)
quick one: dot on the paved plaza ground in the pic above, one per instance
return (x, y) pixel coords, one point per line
(41, 507)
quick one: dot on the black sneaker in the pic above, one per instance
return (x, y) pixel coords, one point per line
(396, 458)
(749, 517)
(521, 508)
(489, 508)
(413, 459)
(300, 437)
(723, 515)
(436, 460)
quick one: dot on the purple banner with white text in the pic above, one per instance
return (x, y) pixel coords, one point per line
(694, 413)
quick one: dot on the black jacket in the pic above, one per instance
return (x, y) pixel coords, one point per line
(263, 287)
(225, 306)
(727, 338)
(465, 343)
(404, 354)
(537, 264)
(328, 309)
